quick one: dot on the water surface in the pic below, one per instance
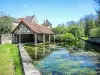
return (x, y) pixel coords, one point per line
(69, 60)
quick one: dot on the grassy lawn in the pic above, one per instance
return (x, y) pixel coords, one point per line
(9, 60)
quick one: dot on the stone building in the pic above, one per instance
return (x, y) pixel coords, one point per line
(28, 30)
(31, 32)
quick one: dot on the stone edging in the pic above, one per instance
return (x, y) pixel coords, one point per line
(28, 67)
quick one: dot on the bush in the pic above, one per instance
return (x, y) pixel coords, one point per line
(59, 38)
(95, 32)
(65, 37)
(68, 37)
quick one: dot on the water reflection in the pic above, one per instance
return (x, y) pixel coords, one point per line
(36, 53)
(79, 59)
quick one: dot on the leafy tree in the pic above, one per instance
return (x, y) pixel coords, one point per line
(68, 37)
(98, 11)
(89, 23)
(5, 23)
(81, 28)
(95, 32)
(65, 37)
(60, 29)
(74, 29)
(69, 23)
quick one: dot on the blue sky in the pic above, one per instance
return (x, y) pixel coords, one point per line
(56, 11)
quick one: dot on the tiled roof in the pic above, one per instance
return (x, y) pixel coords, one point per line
(27, 18)
(36, 28)
(19, 19)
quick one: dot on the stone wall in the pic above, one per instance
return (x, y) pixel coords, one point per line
(28, 67)
(6, 39)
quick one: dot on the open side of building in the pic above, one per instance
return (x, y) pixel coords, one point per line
(31, 32)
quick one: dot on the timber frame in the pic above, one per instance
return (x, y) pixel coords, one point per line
(29, 32)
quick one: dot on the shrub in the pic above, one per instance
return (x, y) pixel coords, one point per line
(65, 37)
(68, 37)
(95, 32)
(59, 38)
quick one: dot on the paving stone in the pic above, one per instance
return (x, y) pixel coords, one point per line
(28, 67)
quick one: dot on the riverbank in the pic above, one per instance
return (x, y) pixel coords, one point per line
(92, 40)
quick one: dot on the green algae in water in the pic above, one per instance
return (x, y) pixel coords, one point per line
(61, 62)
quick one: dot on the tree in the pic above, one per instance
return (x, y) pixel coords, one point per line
(95, 32)
(89, 23)
(74, 29)
(98, 11)
(5, 24)
(69, 23)
(81, 27)
(65, 37)
(60, 29)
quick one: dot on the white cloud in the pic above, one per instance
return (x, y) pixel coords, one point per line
(24, 5)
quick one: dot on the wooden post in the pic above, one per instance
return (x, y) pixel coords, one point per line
(19, 38)
(49, 38)
(35, 38)
(43, 38)
(54, 38)
(13, 38)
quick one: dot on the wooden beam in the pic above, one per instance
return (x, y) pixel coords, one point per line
(19, 38)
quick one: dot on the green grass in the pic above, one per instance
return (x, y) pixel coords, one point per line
(10, 63)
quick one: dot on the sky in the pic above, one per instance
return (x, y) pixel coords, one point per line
(56, 11)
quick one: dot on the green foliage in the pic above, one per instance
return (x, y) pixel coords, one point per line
(98, 12)
(60, 29)
(30, 50)
(95, 32)
(69, 36)
(65, 37)
(59, 37)
(85, 38)
(5, 23)
(75, 30)
(89, 23)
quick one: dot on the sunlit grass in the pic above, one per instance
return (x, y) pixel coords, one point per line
(9, 60)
